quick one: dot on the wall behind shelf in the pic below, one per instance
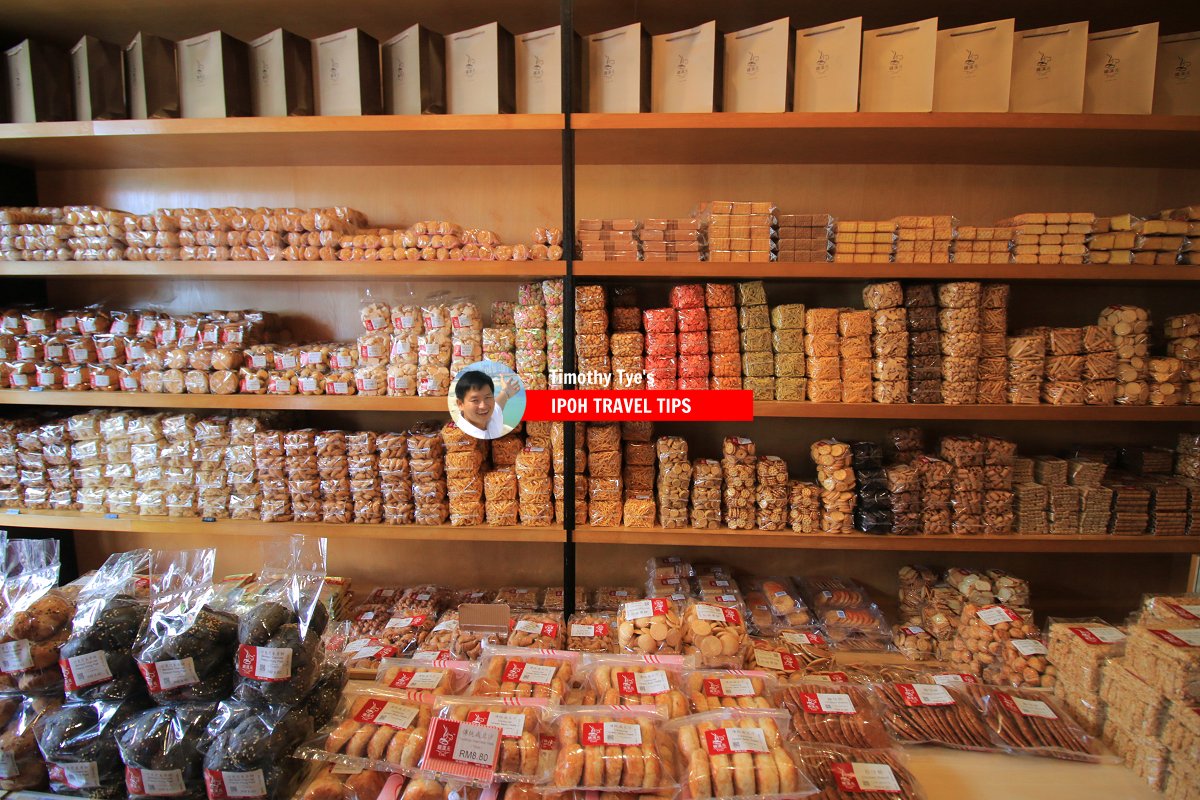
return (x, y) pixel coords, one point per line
(508, 200)
(977, 194)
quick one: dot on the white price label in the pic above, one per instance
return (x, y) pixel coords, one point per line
(835, 703)
(408, 679)
(791, 637)
(529, 626)
(711, 613)
(736, 687)
(382, 712)
(529, 673)
(244, 784)
(162, 782)
(994, 615)
(923, 694)
(448, 625)
(954, 679)
(77, 774)
(654, 682)
(1029, 647)
(88, 669)
(583, 631)
(15, 656)
(1034, 708)
(265, 663)
(8, 765)
(476, 744)
(747, 740)
(1098, 634)
(622, 734)
(860, 777)
(173, 674)
(511, 725)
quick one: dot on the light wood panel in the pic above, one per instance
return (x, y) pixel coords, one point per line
(328, 271)
(976, 194)
(886, 138)
(287, 141)
(830, 271)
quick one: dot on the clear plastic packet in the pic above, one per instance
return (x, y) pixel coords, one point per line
(711, 689)
(592, 632)
(251, 750)
(521, 756)
(1033, 723)
(842, 772)
(519, 597)
(374, 727)
(613, 749)
(791, 656)
(1176, 610)
(539, 630)
(774, 601)
(279, 653)
(23, 767)
(79, 742)
(635, 680)
(1021, 663)
(519, 672)
(173, 736)
(97, 659)
(36, 620)
(330, 782)
(716, 632)
(186, 650)
(440, 676)
(840, 714)
(649, 626)
(922, 713)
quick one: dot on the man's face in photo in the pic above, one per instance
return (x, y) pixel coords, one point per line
(477, 406)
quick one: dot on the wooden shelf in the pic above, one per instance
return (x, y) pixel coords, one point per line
(940, 411)
(888, 138)
(829, 271)
(76, 521)
(286, 141)
(475, 271)
(690, 537)
(292, 402)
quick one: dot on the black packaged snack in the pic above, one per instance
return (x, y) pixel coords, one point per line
(873, 521)
(79, 742)
(279, 654)
(163, 750)
(250, 751)
(97, 660)
(866, 454)
(323, 699)
(21, 765)
(186, 649)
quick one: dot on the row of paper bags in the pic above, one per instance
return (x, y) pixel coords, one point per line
(487, 70)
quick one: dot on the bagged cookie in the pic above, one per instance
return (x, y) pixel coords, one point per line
(79, 742)
(36, 620)
(251, 747)
(163, 750)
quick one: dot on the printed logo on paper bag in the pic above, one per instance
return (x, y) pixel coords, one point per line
(609, 70)
(1183, 70)
(335, 70)
(896, 62)
(539, 67)
(822, 65)
(1041, 67)
(752, 64)
(469, 69)
(681, 67)
(201, 75)
(971, 62)
(1112, 70)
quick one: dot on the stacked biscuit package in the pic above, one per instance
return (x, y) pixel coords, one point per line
(1190, 253)
(464, 457)
(787, 340)
(552, 294)
(1183, 342)
(1025, 367)
(639, 454)
(873, 512)
(694, 365)
(855, 348)
(936, 487)
(924, 344)
(627, 343)
(1099, 366)
(674, 479)
(591, 349)
(823, 352)
(529, 319)
(1129, 327)
(961, 342)
(741, 230)
(864, 241)
(805, 238)
(1050, 238)
(739, 474)
(605, 495)
(707, 485)
(982, 244)
(965, 455)
(925, 240)
(1159, 241)
(1112, 240)
(835, 474)
(724, 343)
(662, 348)
(609, 240)
(535, 495)
(754, 321)
(673, 240)
(1064, 365)
(427, 469)
(993, 325)
(772, 493)
(889, 341)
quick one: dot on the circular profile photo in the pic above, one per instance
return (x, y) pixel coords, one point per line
(487, 399)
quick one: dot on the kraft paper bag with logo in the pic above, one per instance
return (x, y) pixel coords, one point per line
(39, 82)
(1177, 77)
(281, 75)
(618, 71)
(214, 73)
(96, 74)
(347, 74)
(758, 68)
(974, 67)
(1047, 69)
(828, 58)
(897, 67)
(683, 71)
(539, 71)
(414, 72)
(480, 71)
(1120, 70)
(151, 85)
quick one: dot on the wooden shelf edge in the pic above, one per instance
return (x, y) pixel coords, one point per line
(292, 270)
(77, 521)
(294, 402)
(689, 537)
(885, 120)
(832, 271)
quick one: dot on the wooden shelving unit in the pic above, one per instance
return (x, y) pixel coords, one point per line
(181, 526)
(888, 138)
(829, 271)
(288, 402)
(474, 271)
(787, 540)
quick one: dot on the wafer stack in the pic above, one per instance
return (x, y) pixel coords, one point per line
(865, 242)
(925, 240)
(741, 230)
(1159, 241)
(982, 245)
(1099, 366)
(924, 345)
(673, 240)
(993, 348)
(1050, 238)
(1191, 215)
(805, 238)
(1029, 501)
(1130, 508)
(609, 240)
(1112, 240)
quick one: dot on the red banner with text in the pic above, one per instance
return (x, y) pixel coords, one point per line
(645, 406)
